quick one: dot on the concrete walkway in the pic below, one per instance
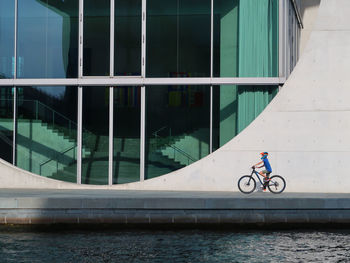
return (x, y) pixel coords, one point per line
(37, 206)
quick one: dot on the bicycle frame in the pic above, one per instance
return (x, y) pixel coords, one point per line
(257, 175)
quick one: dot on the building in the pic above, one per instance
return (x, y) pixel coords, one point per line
(117, 91)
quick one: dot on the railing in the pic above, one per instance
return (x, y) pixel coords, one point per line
(5, 139)
(56, 160)
(159, 130)
(34, 109)
(71, 124)
(53, 117)
(166, 142)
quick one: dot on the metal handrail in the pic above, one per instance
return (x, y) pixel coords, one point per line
(178, 150)
(9, 142)
(61, 153)
(51, 109)
(5, 139)
(159, 130)
(70, 124)
(56, 112)
(51, 159)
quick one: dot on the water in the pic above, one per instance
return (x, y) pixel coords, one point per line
(175, 246)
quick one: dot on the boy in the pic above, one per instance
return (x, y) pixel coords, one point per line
(267, 171)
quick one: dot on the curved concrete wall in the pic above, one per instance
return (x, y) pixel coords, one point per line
(309, 11)
(305, 128)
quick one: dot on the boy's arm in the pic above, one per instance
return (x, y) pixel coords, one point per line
(256, 165)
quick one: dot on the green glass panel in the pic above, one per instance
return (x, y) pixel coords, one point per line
(245, 38)
(258, 38)
(46, 138)
(231, 116)
(127, 37)
(252, 100)
(225, 46)
(6, 123)
(7, 33)
(227, 103)
(177, 130)
(95, 135)
(126, 137)
(178, 38)
(47, 39)
(96, 38)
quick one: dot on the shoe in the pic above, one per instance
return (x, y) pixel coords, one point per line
(262, 188)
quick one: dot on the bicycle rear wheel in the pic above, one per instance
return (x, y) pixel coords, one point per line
(277, 184)
(246, 184)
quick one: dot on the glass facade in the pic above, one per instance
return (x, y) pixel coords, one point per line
(96, 38)
(245, 38)
(178, 127)
(6, 123)
(47, 39)
(46, 135)
(235, 107)
(136, 87)
(7, 38)
(126, 134)
(127, 33)
(95, 132)
(175, 45)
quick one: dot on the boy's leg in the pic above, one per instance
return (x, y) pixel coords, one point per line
(262, 173)
(266, 179)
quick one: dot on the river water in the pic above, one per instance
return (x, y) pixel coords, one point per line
(175, 246)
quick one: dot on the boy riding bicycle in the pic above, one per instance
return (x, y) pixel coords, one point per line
(267, 171)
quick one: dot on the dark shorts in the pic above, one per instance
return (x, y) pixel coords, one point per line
(266, 172)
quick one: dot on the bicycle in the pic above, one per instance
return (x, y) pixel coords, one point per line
(247, 183)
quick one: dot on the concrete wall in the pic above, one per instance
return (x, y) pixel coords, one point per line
(305, 128)
(309, 12)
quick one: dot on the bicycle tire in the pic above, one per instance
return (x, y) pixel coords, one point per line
(277, 184)
(246, 181)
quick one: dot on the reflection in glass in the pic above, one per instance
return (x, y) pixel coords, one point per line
(245, 38)
(7, 33)
(235, 107)
(95, 135)
(127, 38)
(47, 39)
(46, 139)
(177, 130)
(96, 38)
(126, 137)
(6, 123)
(178, 38)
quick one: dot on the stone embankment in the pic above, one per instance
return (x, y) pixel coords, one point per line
(174, 208)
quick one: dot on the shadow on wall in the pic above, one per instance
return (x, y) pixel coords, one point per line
(306, 4)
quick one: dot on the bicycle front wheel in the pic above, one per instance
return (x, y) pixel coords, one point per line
(277, 184)
(246, 184)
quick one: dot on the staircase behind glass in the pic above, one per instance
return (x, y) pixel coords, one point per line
(46, 144)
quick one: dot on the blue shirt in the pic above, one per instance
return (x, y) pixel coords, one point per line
(267, 165)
